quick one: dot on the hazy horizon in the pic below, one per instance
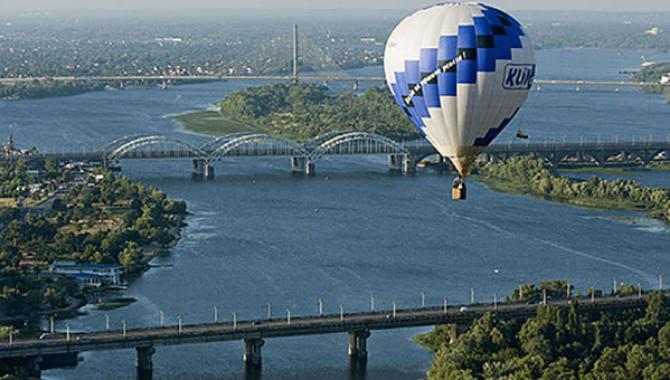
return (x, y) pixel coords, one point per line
(201, 5)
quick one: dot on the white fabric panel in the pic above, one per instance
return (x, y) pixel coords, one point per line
(477, 108)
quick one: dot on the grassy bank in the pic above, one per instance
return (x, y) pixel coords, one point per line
(212, 123)
(526, 175)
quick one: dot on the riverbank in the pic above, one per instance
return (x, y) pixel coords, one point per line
(97, 218)
(526, 175)
(556, 344)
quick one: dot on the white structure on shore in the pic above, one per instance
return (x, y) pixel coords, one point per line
(653, 31)
(665, 79)
(89, 274)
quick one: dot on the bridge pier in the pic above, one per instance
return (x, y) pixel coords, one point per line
(408, 164)
(395, 162)
(198, 167)
(310, 168)
(33, 366)
(144, 362)
(298, 165)
(209, 171)
(358, 344)
(202, 168)
(252, 352)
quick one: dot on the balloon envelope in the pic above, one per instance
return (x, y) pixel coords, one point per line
(460, 72)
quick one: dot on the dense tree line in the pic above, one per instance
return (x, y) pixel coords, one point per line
(302, 111)
(653, 74)
(558, 344)
(14, 177)
(539, 178)
(100, 221)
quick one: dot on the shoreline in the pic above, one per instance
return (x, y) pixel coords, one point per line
(507, 186)
(90, 297)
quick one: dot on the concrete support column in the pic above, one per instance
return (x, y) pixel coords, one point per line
(33, 366)
(209, 170)
(252, 352)
(298, 165)
(310, 168)
(144, 362)
(408, 164)
(198, 167)
(395, 162)
(358, 344)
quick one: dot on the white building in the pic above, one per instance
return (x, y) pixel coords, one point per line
(654, 31)
(109, 274)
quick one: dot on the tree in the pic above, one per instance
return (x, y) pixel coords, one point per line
(131, 257)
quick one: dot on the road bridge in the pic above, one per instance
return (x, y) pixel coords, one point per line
(402, 156)
(577, 83)
(65, 346)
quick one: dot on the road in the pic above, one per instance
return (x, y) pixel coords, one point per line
(282, 327)
(320, 78)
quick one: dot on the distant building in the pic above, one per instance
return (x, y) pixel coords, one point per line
(88, 280)
(654, 31)
(89, 274)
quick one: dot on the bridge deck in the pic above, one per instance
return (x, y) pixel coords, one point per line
(414, 147)
(219, 332)
(321, 78)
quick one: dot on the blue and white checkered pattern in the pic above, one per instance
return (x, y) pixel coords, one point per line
(467, 104)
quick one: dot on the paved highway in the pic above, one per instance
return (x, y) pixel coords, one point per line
(321, 78)
(216, 332)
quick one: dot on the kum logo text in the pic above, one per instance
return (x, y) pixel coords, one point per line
(519, 77)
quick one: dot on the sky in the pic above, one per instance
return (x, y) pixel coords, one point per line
(543, 5)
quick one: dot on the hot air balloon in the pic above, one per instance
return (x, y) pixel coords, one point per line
(460, 72)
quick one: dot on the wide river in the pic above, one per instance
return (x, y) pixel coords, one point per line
(258, 235)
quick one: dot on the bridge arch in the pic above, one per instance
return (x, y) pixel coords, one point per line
(257, 144)
(137, 148)
(113, 145)
(357, 143)
(322, 138)
(217, 142)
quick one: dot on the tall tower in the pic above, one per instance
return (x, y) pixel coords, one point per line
(9, 148)
(295, 53)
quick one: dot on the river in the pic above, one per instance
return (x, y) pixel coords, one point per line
(258, 235)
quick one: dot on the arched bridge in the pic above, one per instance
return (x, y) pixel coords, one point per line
(304, 156)
(403, 156)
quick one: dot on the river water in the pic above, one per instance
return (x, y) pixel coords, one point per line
(258, 235)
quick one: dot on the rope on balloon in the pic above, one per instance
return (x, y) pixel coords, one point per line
(432, 76)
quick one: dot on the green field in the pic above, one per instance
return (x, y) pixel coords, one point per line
(212, 123)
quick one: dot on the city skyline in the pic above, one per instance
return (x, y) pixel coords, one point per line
(123, 5)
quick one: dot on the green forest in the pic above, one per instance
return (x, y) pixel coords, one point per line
(104, 220)
(653, 74)
(558, 344)
(301, 111)
(528, 175)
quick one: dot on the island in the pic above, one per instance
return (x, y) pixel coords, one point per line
(299, 112)
(70, 231)
(558, 344)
